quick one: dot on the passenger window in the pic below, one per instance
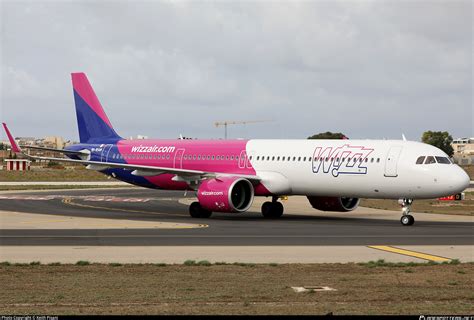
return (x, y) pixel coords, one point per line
(258, 158)
(420, 160)
(299, 158)
(430, 160)
(283, 159)
(250, 158)
(443, 160)
(278, 158)
(378, 160)
(366, 160)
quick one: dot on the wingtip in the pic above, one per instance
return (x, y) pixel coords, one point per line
(13, 143)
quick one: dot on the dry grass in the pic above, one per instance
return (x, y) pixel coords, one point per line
(465, 207)
(236, 289)
(77, 174)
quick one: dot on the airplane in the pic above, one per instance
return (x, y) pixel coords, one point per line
(227, 174)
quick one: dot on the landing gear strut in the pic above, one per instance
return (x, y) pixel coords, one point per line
(272, 210)
(197, 211)
(406, 219)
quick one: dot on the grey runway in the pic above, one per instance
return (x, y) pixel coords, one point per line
(223, 229)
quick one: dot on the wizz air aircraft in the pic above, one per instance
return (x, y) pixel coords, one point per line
(228, 174)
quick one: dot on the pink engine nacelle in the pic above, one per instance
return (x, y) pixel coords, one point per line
(226, 194)
(339, 204)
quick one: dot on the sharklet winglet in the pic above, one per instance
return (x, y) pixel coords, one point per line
(15, 147)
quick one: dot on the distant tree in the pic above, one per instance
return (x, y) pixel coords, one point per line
(439, 139)
(328, 135)
(2, 147)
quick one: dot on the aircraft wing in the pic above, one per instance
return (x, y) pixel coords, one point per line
(138, 170)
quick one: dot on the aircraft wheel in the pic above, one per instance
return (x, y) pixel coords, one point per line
(197, 211)
(407, 220)
(272, 210)
(278, 209)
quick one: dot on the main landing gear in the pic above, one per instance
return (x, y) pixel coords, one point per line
(197, 211)
(273, 209)
(406, 219)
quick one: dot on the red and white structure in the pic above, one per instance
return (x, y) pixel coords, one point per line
(17, 164)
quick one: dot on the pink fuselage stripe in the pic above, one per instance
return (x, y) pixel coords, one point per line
(184, 154)
(188, 154)
(84, 89)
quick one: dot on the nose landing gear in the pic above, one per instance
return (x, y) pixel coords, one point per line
(406, 219)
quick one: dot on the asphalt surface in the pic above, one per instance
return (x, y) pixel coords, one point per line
(223, 229)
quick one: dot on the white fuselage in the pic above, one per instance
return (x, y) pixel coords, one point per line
(354, 168)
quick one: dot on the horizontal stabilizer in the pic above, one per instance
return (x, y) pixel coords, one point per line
(56, 150)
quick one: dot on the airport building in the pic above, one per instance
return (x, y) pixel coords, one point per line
(463, 151)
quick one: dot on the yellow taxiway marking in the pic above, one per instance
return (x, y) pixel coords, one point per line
(69, 202)
(411, 253)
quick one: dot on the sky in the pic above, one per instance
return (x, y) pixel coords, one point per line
(369, 69)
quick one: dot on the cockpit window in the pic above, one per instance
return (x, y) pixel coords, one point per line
(443, 160)
(430, 160)
(420, 160)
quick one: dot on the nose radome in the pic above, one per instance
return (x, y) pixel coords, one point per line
(462, 180)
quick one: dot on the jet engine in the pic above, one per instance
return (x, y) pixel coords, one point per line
(226, 194)
(340, 204)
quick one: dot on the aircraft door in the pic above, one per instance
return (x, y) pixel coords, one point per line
(178, 159)
(242, 159)
(391, 162)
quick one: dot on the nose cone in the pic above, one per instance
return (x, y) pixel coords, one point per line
(461, 180)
